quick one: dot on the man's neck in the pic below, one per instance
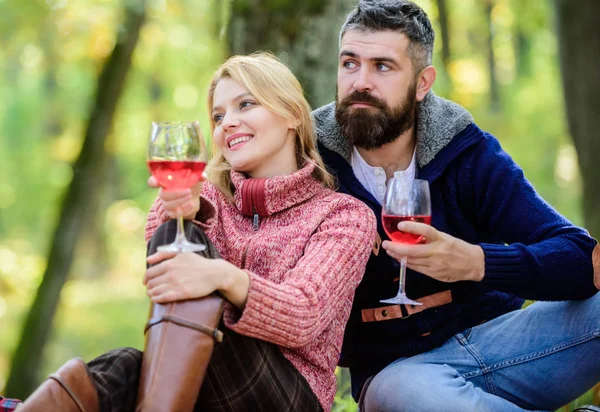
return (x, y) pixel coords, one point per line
(393, 156)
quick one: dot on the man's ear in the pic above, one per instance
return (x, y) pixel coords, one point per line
(425, 82)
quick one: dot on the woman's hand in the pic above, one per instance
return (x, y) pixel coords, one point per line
(442, 257)
(180, 276)
(187, 275)
(181, 202)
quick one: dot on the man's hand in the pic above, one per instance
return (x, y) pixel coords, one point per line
(181, 202)
(442, 257)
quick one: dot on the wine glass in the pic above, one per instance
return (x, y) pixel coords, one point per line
(405, 200)
(177, 158)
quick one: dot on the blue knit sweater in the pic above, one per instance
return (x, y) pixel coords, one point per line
(478, 194)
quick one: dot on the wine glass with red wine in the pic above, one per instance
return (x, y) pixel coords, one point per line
(177, 158)
(405, 200)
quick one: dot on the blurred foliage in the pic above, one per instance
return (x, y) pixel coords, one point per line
(51, 52)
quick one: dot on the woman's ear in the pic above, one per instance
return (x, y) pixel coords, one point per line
(294, 124)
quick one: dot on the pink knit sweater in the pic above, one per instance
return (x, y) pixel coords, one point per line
(305, 258)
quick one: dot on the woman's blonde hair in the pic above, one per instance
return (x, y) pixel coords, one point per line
(276, 88)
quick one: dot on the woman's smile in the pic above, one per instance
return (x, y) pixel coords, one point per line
(236, 140)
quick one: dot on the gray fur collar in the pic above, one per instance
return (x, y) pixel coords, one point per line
(438, 121)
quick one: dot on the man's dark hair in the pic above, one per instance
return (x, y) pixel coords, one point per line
(395, 15)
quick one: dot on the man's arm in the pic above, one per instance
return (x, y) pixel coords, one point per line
(545, 257)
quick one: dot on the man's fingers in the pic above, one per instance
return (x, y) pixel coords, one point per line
(401, 249)
(417, 267)
(418, 229)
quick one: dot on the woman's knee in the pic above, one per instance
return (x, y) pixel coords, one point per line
(121, 358)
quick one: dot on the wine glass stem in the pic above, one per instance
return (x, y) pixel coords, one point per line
(402, 278)
(180, 237)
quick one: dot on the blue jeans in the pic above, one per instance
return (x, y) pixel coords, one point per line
(537, 358)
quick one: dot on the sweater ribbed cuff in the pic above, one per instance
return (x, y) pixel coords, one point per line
(262, 316)
(250, 317)
(500, 261)
(206, 218)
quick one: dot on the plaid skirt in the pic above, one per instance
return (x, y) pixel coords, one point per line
(8, 404)
(244, 374)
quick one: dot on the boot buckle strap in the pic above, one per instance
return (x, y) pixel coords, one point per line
(215, 333)
(74, 397)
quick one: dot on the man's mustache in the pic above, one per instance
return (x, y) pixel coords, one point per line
(362, 97)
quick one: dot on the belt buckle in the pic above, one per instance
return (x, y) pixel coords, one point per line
(403, 310)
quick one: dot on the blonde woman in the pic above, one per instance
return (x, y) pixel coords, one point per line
(292, 251)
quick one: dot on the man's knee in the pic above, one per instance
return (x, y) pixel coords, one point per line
(413, 387)
(596, 300)
(393, 390)
(588, 310)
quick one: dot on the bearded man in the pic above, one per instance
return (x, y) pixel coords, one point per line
(493, 243)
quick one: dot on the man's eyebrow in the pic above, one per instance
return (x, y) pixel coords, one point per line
(344, 53)
(348, 53)
(238, 97)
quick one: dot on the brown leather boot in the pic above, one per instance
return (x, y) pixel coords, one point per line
(180, 337)
(70, 389)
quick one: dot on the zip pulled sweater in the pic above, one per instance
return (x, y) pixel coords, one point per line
(304, 248)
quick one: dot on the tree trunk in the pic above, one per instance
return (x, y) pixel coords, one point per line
(445, 32)
(523, 30)
(523, 53)
(88, 167)
(579, 43)
(494, 91)
(303, 34)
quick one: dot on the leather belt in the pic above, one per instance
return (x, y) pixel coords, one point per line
(404, 311)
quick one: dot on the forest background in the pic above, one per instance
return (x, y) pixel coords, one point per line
(82, 80)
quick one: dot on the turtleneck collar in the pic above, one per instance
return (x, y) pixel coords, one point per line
(266, 196)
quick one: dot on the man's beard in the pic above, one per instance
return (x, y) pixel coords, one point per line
(372, 128)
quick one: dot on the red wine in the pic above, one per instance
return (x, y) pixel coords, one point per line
(390, 225)
(176, 174)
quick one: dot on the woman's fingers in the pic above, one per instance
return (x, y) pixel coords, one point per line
(159, 257)
(178, 207)
(174, 195)
(162, 294)
(152, 182)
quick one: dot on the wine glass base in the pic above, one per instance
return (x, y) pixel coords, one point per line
(401, 300)
(180, 247)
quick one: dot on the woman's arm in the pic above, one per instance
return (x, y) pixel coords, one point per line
(180, 276)
(292, 313)
(318, 289)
